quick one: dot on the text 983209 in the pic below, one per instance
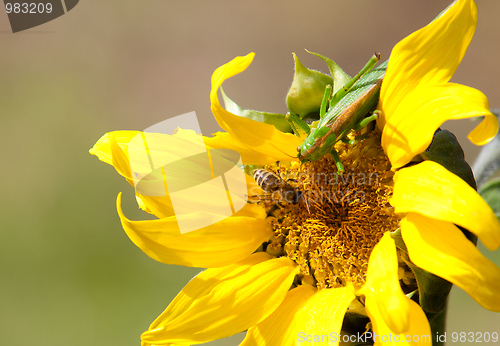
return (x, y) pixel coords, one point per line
(30, 13)
(16, 7)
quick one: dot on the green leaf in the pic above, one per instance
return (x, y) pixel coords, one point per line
(491, 194)
(278, 120)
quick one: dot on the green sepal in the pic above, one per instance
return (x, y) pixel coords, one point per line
(278, 120)
(446, 151)
(433, 291)
(355, 323)
(398, 240)
(306, 92)
(491, 194)
(340, 78)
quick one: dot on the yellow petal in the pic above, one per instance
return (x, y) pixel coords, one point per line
(261, 137)
(428, 56)
(131, 153)
(111, 149)
(160, 206)
(431, 190)
(485, 131)
(382, 290)
(137, 152)
(222, 243)
(304, 314)
(279, 328)
(224, 140)
(183, 162)
(410, 128)
(418, 333)
(441, 248)
(221, 302)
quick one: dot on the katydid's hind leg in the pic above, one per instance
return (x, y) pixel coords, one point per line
(345, 89)
(336, 159)
(363, 123)
(366, 124)
(348, 141)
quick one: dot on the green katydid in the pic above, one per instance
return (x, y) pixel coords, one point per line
(347, 110)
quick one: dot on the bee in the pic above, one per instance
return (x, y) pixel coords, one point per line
(271, 183)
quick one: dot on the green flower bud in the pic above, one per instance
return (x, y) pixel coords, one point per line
(307, 89)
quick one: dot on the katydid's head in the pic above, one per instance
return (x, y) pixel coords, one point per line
(302, 153)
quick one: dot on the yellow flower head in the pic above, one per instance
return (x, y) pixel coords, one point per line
(347, 244)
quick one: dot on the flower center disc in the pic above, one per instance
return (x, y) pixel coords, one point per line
(339, 217)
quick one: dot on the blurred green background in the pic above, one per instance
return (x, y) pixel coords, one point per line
(68, 273)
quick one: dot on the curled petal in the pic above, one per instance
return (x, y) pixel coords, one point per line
(382, 290)
(112, 149)
(431, 190)
(428, 56)
(260, 137)
(304, 312)
(139, 157)
(167, 170)
(249, 155)
(219, 244)
(410, 129)
(441, 248)
(485, 131)
(224, 301)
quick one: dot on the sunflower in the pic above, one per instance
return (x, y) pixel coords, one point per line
(352, 258)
